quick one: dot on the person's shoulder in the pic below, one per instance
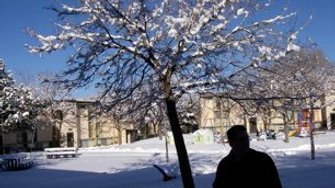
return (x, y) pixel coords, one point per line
(260, 154)
(226, 159)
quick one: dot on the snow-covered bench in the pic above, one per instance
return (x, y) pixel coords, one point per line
(52, 153)
(16, 162)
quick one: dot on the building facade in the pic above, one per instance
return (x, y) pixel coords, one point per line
(76, 125)
(219, 114)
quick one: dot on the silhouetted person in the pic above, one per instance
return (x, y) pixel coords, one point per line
(244, 167)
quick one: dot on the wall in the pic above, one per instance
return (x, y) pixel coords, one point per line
(235, 116)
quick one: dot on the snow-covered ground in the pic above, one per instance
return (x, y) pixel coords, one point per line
(131, 165)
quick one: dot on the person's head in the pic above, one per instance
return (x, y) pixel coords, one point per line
(238, 138)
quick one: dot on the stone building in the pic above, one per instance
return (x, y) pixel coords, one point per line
(219, 113)
(76, 125)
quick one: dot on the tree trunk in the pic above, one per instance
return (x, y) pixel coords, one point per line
(311, 130)
(60, 140)
(57, 134)
(1, 140)
(184, 163)
(286, 127)
(160, 132)
(119, 130)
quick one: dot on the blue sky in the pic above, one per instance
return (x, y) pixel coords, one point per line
(15, 17)
(18, 15)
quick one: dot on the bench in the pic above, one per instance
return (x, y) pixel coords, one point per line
(54, 153)
(15, 162)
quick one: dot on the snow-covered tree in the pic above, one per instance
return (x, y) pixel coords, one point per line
(304, 79)
(53, 100)
(153, 120)
(306, 73)
(189, 111)
(288, 86)
(166, 48)
(56, 106)
(18, 108)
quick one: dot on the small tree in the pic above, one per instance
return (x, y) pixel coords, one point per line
(165, 48)
(18, 108)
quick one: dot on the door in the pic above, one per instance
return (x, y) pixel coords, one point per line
(253, 125)
(70, 139)
(332, 120)
(25, 140)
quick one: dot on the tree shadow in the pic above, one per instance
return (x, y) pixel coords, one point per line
(300, 171)
(51, 178)
(294, 170)
(40, 159)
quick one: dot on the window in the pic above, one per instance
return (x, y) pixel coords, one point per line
(305, 115)
(225, 105)
(217, 115)
(217, 104)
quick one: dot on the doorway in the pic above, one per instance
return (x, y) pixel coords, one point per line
(253, 125)
(70, 139)
(332, 120)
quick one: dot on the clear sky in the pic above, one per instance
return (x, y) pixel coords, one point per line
(18, 15)
(15, 17)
